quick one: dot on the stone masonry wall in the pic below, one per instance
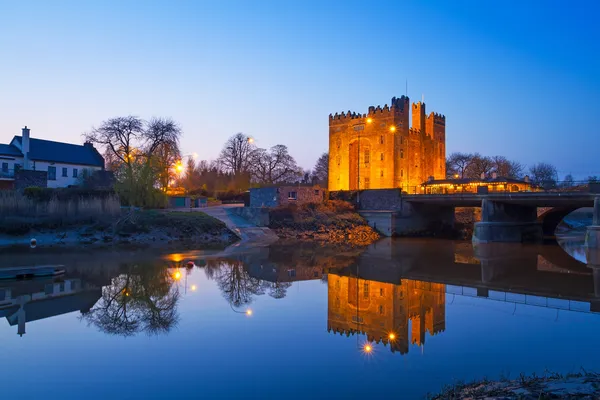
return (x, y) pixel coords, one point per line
(28, 178)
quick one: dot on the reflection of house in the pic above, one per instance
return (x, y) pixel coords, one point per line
(285, 194)
(491, 185)
(26, 301)
(378, 309)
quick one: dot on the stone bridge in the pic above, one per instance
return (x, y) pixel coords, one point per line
(505, 217)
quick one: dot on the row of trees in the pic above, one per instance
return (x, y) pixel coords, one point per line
(241, 164)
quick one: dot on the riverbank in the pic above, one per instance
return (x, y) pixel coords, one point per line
(138, 228)
(332, 222)
(583, 386)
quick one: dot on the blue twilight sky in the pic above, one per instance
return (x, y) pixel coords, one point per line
(515, 78)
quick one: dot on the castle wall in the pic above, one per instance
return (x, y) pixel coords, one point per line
(379, 150)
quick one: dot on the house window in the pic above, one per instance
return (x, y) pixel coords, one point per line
(292, 196)
(381, 292)
(366, 290)
(17, 167)
(367, 183)
(316, 192)
(401, 173)
(401, 153)
(382, 173)
(65, 172)
(74, 172)
(380, 310)
(51, 173)
(339, 160)
(367, 156)
(291, 273)
(381, 156)
(381, 139)
(5, 167)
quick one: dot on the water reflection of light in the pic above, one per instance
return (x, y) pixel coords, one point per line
(392, 336)
(249, 312)
(177, 275)
(176, 257)
(368, 348)
(193, 288)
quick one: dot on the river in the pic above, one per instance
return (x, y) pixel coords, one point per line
(399, 319)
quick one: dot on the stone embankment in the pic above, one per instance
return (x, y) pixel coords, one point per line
(139, 228)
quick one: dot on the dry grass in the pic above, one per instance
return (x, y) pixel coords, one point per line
(18, 213)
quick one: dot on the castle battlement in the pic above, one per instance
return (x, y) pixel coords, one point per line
(367, 151)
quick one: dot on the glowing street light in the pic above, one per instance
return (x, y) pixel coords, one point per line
(392, 128)
(369, 120)
(392, 336)
(367, 348)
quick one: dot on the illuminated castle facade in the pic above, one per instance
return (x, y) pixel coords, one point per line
(382, 311)
(379, 150)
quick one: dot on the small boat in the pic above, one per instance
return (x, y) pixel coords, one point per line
(31, 272)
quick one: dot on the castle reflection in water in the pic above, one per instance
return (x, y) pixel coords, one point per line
(383, 311)
(393, 294)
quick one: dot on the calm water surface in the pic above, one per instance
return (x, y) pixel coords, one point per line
(400, 319)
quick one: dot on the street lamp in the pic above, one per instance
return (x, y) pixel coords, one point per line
(248, 311)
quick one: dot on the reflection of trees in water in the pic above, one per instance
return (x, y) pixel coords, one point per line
(238, 286)
(143, 299)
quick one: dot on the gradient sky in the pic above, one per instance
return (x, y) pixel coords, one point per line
(517, 78)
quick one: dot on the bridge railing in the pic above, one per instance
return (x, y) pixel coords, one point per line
(458, 188)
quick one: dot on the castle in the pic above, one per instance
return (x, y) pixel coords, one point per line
(379, 150)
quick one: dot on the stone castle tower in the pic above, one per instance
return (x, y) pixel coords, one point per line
(379, 150)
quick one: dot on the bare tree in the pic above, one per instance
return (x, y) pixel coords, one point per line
(119, 137)
(458, 164)
(320, 173)
(479, 165)
(543, 174)
(506, 168)
(275, 165)
(568, 182)
(161, 132)
(237, 154)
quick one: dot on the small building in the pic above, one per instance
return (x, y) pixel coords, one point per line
(200, 202)
(493, 184)
(63, 163)
(180, 202)
(274, 196)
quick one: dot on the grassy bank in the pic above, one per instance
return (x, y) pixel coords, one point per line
(583, 385)
(332, 222)
(144, 228)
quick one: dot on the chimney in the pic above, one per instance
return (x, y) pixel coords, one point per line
(526, 179)
(25, 147)
(494, 175)
(482, 175)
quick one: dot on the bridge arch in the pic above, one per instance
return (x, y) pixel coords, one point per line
(551, 217)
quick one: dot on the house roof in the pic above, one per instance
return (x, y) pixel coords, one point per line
(10, 150)
(47, 150)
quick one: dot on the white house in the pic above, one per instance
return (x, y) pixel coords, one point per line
(64, 162)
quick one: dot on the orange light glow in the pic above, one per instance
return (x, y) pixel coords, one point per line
(392, 129)
(193, 288)
(179, 167)
(177, 275)
(369, 120)
(367, 348)
(392, 336)
(248, 312)
(250, 140)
